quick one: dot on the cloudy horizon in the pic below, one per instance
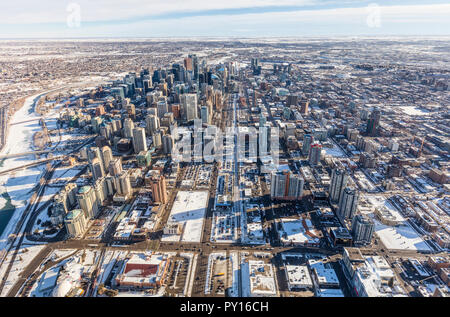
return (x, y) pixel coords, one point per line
(243, 18)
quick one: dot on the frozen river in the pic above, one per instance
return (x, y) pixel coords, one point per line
(16, 188)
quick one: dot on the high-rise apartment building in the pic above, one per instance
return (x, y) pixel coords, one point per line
(362, 229)
(286, 186)
(123, 184)
(373, 122)
(315, 153)
(189, 106)
(152, 124)
(128, 126)
(76, 223)
(308, 139)
(115, 167)
(88, 201)
(339, 179)
(139, 140)
(158, 185)
(107, 157)
(348, 203)
(96, 168)
(157, 139)
(162, 107)
(304, 107)
(205, 115)
(167, 142)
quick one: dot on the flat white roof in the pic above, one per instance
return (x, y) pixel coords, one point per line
(295, 231)
(373, 277)
(325, 274)
(141, 258)
(298, 276)
(400, 237)
(262, 281)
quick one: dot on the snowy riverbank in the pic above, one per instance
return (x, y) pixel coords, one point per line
(18, 185)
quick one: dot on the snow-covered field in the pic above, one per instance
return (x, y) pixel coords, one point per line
(65, 172)
(19, 184)
(24, 257)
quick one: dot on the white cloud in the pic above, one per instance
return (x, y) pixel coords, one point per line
(51, 11)
(342, 21)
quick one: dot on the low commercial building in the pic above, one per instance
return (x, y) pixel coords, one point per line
(298, 278)
(324, 274)
(388, 217)
(299, 232)
(370, 276)
(262, 279)
(144, 271)
(340, 237)
(48, 280)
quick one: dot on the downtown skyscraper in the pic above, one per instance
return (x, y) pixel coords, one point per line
(339, 179)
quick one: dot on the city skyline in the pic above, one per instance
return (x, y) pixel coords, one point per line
(223, 154)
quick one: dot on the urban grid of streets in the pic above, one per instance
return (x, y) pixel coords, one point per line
(23, 231)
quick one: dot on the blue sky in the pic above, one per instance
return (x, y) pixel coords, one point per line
(211, 18)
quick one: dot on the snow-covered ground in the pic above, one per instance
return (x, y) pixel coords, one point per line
(58, 282)
(413, 111)
(23, 124)
(209, 270)
(109, 260)
(335, 151)
(160, 293)
(23, 259)
(65, 173)
(19, 184)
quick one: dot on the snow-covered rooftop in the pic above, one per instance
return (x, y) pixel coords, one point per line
(189, 209)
